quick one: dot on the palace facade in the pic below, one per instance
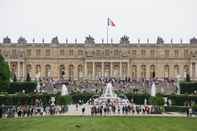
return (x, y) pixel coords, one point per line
(91, 61)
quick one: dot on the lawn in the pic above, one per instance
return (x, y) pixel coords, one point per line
(60, 123)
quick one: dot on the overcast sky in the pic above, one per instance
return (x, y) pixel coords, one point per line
(78, 18)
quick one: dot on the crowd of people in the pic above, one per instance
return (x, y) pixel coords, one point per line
(166, 86)
(120, 110)
(31, 110)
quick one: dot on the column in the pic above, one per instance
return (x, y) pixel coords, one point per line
(18, 69)
(23, 71)
(93, 70)
(120, 70)
(85, 70)
(128, 70)
(111, 69)
(102, 63)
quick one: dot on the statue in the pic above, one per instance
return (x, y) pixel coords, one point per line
(153, 89)
(64, 90)
(193, 40)
(89, 40)
(124, 40)
(55, 40)
(6, 40)
(22, 40)
(160, 40)
(178, 85)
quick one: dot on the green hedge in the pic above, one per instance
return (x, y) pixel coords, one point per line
(29, 87)
(182, 100)
(188, 87)
(137, 98)
(83, 97)
(22, 99)
(176, 109)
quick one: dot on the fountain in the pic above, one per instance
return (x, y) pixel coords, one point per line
(153, 89)
(109, 97)
(64, 90)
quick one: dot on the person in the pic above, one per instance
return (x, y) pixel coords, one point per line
(1, 112)
(190, 112)
(83, 110)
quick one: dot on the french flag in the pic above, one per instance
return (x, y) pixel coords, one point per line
(110, 22)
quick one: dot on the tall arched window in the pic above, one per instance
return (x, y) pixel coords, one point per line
(48, 70)
(143, 71)
(80, 72)
(152, 71)
(166, 71)
(71, 72)
(134, 72)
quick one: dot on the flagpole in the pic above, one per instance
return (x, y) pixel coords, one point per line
(107, 33)
(107, 29)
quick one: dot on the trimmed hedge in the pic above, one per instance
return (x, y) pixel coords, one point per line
(182, 100)
(176, 109)
(78, 97)
(22, 99)
(188, 87)
(137, 98)
(29, 87)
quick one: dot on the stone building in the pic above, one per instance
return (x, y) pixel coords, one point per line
(91, 60)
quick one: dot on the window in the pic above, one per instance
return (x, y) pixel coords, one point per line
(167, 53)
(98, 52)
(71, 52)
(107, 52)
(38, 52)
(48, 52)
(186, 53)
(62, 53)
(143, 52)
(152, 53)
(80, 52)
(176, 53)
(14, 52)
(28, 52)
(134, 52)
(116, 52)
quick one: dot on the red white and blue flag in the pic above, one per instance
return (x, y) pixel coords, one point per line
(110, 22)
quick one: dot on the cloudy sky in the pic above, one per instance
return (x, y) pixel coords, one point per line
(78, 18)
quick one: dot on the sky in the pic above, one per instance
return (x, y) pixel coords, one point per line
(70, 19)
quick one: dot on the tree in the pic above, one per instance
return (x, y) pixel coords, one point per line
(124, 40)
(89, 40)
(4, 74)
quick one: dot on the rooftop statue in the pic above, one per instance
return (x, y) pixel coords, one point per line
(160, 40)
(89, 40)
(6, 40)
(124, 40)
(55, 40)
(22, 40)
(193, 40)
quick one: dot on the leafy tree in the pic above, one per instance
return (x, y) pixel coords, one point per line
(4, 74)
